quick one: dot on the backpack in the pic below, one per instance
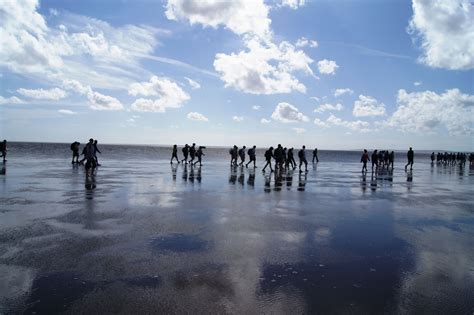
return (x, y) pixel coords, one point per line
(300, 154)
(231, 151)
(73, 145)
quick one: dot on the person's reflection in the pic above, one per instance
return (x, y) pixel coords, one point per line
(302, 181)
(373, 182)
(409, 180)
(251, 179)
(278, 179)
(363, 182)
(185, 172)
(233, 175)
(4, 169)
(90, 185)
(268, 179)
(198, 175)
(241, 177)
(191, 175)
(174, 169)
(289, 179)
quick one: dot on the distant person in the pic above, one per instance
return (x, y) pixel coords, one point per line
(242, 156)
(315, 155)
(268, 159)
(302, 157)
(375, 161)
(410, 157)
(290, 159)
(364, 159)
(192, 153)
(96, 149)
(234, 153)
(391, 159)
(174, 154)
(3, 148)
(252, 157)
(199, 154)
(75, 147)
(432, 158)
(278, 154)
(89, 156)
(185, 151)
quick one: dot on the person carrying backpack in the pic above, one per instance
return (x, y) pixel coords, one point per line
(75, 152)
(302, 157)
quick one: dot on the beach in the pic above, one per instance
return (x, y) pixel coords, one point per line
(144, 236)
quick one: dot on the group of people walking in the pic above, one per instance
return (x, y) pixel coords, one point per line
(188, 151)
(89, 153)
(452, 158)
(383, 160)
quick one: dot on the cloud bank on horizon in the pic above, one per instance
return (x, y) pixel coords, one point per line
(212, 62)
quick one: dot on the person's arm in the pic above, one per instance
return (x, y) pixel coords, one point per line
(97, 149)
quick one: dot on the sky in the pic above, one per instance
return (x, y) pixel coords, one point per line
(336, 74)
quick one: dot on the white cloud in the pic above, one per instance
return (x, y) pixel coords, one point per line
(197, 116)
(256, 107)
(293, 4)
(76, 86)
(193, 84)
(239, 16)
(66, 112)
(445, 30)
(169, 94)
(100, 101)
(303, 42)
(357, 125)
(299, 130)
(339, 92)
(318, 122)
(315, 98)
(327, 66)
(368, 106)
(264, 68)
(329, 107)
(41, 94)
(265, 121)
(238, 118)
(287, 113)
(427, 111)
(417, 83)
(10, 100)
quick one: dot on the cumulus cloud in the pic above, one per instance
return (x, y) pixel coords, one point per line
(10, 100)
(318, 122)
(299, 130)
(239, 16)
(339, 92)
(41, 94)
(100, 101)
(293, 4)
(368, 106)
(264, 68)
(327, 66)
(168, 93)
(256, 107)
(265, 121)
(427, 111)
(66, 112)
(238, 118)
(417, 83)
(287, 113)
(303, 42)
(329, 107)
(357, 125)
(445, 30)
(197, 116)
(193, 84)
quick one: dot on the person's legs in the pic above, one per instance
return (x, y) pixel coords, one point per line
(305, 165)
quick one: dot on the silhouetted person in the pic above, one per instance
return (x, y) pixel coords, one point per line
(174, 154)
(315, 155)
(252, 157)
(199, 155)
(75, 147)
(391, 159)
(268, 159)
(89, 155)
(96, 149)
(302, 157)
(278, 154)
(242, 156)
(3, 148)
(234, 153)
(410, 157)
(192, 153)
(185, 151)
(375, 161)
(432, 158)
(364, 159)
(290, 159)
(285, 158)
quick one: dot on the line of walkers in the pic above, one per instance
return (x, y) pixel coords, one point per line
(383, 160)
(452, 158)
(189, 151)
(89, 153)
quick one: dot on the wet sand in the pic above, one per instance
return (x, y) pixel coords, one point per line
(155, 238)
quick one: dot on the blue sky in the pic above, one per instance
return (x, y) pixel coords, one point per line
(332, 74)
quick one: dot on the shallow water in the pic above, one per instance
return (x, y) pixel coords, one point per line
(151, 237)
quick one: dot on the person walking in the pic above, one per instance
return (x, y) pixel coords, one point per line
(302, 157)
(410, 157)
(3, 148)
(252, 157)
(290, 159)
(268, 159)
(364, 159)
(375, 161)
(174, 154)
(199, 154)
(242, 156)
(96, 149)
(192, 153)
(75, 147)
(185, 151)
(315, 155)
